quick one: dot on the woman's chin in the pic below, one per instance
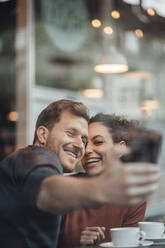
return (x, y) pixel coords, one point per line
(94, 170)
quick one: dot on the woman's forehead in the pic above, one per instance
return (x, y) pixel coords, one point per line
(97, 128)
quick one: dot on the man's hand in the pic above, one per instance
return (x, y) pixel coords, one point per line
(127, 183)
(92, 235)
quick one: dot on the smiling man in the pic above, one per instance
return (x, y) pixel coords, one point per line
(67, 136)
(33, 193)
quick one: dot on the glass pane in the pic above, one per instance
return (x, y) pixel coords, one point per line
(7, 77)
(108, 54)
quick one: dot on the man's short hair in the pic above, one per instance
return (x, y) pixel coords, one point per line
(118, 125)
(51, 114)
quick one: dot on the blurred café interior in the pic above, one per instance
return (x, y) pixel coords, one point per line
(109, 54)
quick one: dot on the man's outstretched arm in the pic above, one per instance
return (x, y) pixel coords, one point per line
(120, 184)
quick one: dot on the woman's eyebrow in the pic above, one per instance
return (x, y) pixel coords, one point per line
(97, 136)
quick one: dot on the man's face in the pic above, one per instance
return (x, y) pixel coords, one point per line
(68, 139)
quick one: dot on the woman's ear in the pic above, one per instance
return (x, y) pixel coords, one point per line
(122, 144)
(42, 135)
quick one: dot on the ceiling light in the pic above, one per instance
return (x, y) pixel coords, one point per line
(138, 74)
(151, 12)
(110, 68)
(108, 30)
(93, 93)
(149, 105)
(96, 23)
(158, 6)
(111, 62)
(12, 116)
(139, 33)
(115, 14)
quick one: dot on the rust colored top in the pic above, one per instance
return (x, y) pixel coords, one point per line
(107, 216)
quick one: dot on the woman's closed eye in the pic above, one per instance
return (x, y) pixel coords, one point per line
(98, 142)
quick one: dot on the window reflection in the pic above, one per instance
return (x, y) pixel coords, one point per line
(69, 39)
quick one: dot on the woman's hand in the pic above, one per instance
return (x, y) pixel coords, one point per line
(92, 235)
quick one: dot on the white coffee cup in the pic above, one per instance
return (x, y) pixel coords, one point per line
(126, 236)
(152, 229)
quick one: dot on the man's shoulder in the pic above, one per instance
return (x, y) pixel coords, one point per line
(32, 156)
(38, 156)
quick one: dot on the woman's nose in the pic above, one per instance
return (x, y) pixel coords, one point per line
(88, 148)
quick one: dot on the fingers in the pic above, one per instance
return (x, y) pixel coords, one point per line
(135, 194)
(91, 235)
(142, 167)
(143, 190)
(139, 195)
(141, 174)
(141, 180)
(98, 230)
(84, 241)
(88, 237)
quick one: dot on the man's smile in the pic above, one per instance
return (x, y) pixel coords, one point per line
(71, 154)
(74, 152)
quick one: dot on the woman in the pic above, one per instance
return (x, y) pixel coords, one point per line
(89, 226)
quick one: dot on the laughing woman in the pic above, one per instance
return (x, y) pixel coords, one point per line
(89, 226)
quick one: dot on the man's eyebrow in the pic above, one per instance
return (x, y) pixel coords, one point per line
(76, 131)
(72, 129)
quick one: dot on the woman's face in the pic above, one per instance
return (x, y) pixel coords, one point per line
(99, 145)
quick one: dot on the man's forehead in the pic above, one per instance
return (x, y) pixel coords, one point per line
(70, 114)
(72, 120)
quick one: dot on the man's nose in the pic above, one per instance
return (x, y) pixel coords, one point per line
(79, 143)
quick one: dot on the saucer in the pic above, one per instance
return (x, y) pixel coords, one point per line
(159, 239)
(110, 245)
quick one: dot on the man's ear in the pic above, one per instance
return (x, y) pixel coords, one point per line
(42, 135)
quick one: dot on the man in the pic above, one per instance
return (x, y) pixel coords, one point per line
(33, 193)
